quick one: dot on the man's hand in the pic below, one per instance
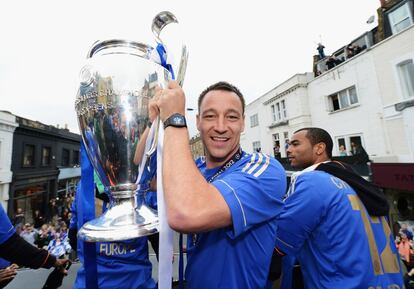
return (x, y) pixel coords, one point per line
(170, 100)
(8, 273)
(61, 265)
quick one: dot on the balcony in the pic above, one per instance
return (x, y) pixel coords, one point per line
(345, 53)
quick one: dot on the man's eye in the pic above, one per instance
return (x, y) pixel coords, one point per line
(209, 116)
(233, 117)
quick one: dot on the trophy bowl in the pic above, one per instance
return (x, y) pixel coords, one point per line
(116, 84)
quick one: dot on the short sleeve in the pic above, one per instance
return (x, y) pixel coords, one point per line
(301, 214)
(6, 227)
(253, 193)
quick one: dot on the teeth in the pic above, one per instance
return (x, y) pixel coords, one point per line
(220, 138)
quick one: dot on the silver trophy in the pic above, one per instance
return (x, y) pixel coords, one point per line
(116, 84)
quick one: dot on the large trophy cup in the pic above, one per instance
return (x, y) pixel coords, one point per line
(116, 84)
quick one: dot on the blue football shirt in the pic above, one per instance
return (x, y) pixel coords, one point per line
(6, 227)
(336, 242)
(239, 256)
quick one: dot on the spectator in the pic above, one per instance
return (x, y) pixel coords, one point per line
(407, 231)
(18, 217)
(359, 152)
(333, 61)
(342, 151)
(59, 247)
(38, 219)
(405, 250)
(28, 234)
(43, 239)
(276, 152)
(320, 49)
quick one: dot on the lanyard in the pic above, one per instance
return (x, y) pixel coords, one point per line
(235, 157)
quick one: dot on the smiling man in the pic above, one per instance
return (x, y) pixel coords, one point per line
(228, 200)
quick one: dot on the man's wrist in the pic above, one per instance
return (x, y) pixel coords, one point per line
(175, 120)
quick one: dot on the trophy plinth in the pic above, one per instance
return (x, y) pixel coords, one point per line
(122, 221)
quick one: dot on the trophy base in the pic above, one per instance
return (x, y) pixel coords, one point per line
(120, 222)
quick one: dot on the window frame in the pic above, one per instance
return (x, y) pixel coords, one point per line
(335, 99)
(347, 140)
(405, 93)
(278, 110)
(61, 160)
(255, 148)
(24, 154)
(395, 62)
(254, 120)
(407, 7)
(50, 156)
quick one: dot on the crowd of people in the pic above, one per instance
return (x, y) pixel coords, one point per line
(50, 232)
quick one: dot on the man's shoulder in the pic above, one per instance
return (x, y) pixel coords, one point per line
(257, 164)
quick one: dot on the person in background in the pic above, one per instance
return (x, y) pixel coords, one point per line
(28, 234)
(342, 151)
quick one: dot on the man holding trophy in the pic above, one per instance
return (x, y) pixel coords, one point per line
(229, 200)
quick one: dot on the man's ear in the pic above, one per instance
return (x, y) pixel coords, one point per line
(320, 148)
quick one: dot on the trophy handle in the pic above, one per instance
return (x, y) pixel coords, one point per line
(159, 22)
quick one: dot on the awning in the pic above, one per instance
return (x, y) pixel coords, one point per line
(68, 173)
(393, 175)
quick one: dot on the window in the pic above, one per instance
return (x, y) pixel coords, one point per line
(256, 146)
(65, 157)
(284, 109)
(400, 18)
(254, 120)
(343, 99)
(279, 116)
(76, 158)
(406, 76)
(346, 141)
(28, 155)
(274, 119)
(278, 110)
(46, 156)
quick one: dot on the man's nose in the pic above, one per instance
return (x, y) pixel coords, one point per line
(220, 125)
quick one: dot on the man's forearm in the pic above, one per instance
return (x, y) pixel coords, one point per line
(17, 250)
(193, 205)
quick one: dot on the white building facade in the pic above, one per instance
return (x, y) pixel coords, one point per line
(7, 126)
(367, 99)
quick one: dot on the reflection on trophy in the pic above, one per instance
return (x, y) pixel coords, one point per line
(117, 83)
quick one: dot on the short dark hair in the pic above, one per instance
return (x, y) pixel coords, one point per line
(317, 135)
(222, 85)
